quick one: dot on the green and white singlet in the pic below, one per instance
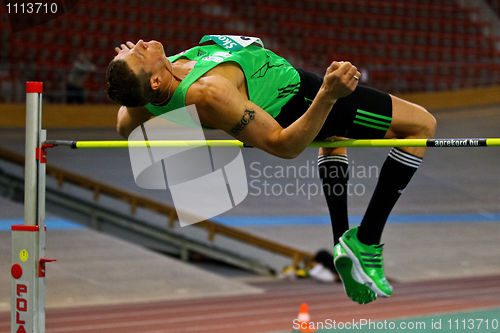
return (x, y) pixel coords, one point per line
(271, 79)
(281, 90)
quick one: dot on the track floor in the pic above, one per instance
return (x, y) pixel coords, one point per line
(276, 309)
(455, 181)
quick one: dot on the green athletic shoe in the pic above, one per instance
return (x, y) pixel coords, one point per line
(356, 291)
(367, 261)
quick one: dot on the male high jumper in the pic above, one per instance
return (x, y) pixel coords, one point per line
(259, 98)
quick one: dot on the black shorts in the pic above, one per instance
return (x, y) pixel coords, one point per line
(364, 114)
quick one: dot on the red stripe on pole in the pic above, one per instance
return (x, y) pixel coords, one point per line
(34, 87)
(26, 228)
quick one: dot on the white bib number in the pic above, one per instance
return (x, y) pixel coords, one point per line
(232, 42)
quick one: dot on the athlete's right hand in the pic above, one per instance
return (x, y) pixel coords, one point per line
(124, 47)
(339, 80)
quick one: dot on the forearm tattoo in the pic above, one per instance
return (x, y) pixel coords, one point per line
(247, 116)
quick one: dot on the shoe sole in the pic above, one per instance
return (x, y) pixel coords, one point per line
(359, 275)
(347, 274)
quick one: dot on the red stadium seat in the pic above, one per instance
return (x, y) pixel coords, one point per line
(404, 45)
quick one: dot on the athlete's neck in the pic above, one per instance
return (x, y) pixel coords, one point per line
(182, 67)
(177, 72)
(166, 91)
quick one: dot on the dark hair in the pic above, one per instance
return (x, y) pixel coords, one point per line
(125, 87)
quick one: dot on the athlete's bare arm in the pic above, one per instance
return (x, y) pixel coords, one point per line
(221, 104)
(129, 118)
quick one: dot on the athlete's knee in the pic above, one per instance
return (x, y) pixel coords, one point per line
(426, 124)
(429, 124)
(411, 121)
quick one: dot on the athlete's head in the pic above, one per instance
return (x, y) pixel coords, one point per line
(137, 73)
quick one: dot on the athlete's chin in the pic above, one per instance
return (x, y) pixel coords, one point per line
(157, 45)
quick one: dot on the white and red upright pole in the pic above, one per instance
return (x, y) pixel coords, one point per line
(28, 240)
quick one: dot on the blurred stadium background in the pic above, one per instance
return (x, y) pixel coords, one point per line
(404, 46)
(226, 275)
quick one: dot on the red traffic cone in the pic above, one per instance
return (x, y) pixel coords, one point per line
(303, 320)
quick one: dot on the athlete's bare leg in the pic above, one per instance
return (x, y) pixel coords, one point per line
(410, 121)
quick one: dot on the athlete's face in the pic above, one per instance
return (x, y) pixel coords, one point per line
(148, 56)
